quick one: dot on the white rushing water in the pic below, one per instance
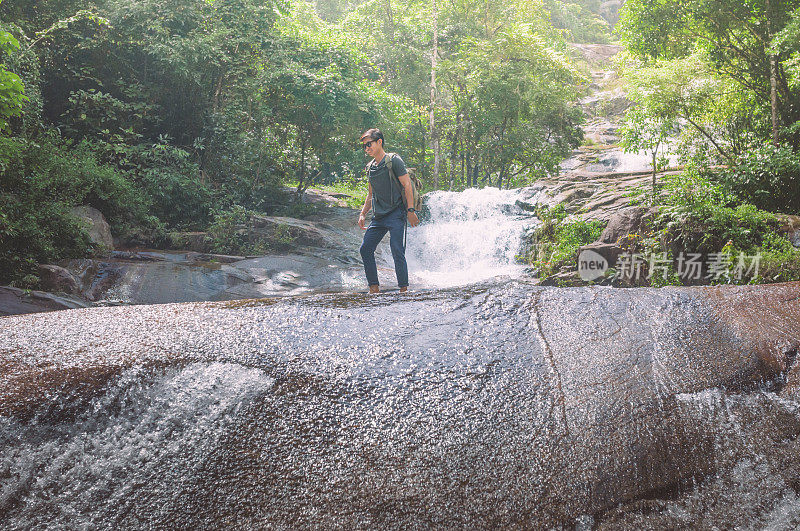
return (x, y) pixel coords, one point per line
(466, 237)
(144, 432)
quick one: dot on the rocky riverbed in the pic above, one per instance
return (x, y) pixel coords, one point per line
(465, 238)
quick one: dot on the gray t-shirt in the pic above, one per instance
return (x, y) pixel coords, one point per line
(387, 194)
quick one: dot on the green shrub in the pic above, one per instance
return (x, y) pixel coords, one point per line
(555, 243)
(180, 201)
(701, 216)
(578, 21)
(169, 179)
(40, 181)
(297, 209)
(767, 177)
(780, 260)
(228, 231)
(232, 232)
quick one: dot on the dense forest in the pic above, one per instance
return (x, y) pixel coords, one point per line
(178, 115)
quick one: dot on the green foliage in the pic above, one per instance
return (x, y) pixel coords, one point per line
(173, 185)
(232, 232)
(702, 216)
(645, 131)
(787, 44)
(554, 244)
(720, 121)
(768, 177)
(298, 209)
(736, 37)
(318, 92)
(699, 214)
(505, 113)
(39, 183)
(511, 108)
(780, 260)
(26, 64)
(228, 233)
(354, 189)
(12, 90)
(176, 114)
(580, 20)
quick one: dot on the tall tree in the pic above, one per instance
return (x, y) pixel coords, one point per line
(736, 35)
(12, 91)
(773, 77)
(434, 134)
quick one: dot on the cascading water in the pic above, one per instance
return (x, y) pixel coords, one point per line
(500, 405)
(466, 237)
(145, 426)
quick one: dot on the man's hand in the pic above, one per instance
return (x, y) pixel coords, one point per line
(413, 220)
(362, 219)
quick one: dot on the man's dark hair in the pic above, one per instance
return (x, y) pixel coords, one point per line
(374, 134)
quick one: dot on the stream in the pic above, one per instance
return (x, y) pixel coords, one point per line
(271, 392)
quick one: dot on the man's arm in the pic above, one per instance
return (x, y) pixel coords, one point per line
(405, 180)
(366, 208)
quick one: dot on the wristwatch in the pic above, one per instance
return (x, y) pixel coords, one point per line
(411, 210)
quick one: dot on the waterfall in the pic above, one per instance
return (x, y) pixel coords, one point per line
(465, 237)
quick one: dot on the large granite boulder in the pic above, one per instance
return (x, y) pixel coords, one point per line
(97, 226)
(790, 225)
(501, 405)
(57, 279)
(631, 220)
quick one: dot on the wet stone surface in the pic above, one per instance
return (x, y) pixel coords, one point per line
(502, 404)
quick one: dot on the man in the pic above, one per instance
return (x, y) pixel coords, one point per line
(386, 199)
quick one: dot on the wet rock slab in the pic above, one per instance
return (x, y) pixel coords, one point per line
(15, 301)
(497, 405)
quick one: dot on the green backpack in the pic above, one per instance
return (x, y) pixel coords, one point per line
(416, 184)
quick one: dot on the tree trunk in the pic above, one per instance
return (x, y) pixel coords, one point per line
(773, 79)
(655, 161)
(389, 28)
(432, 117)
(464, 174)
(453, 157)
(455, 139)
(469, 166)
(423, 147)
(217, 92)
(302, 168)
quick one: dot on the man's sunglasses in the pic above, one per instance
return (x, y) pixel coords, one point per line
(368, 144)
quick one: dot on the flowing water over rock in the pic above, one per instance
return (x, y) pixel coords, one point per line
(597, 180)
(504, 404)
(466, 237)
(469, 237)
(479, 401)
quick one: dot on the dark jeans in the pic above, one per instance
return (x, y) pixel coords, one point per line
(395, 224)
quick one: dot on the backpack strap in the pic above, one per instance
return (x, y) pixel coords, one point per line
(390, 166)
(392, 176)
